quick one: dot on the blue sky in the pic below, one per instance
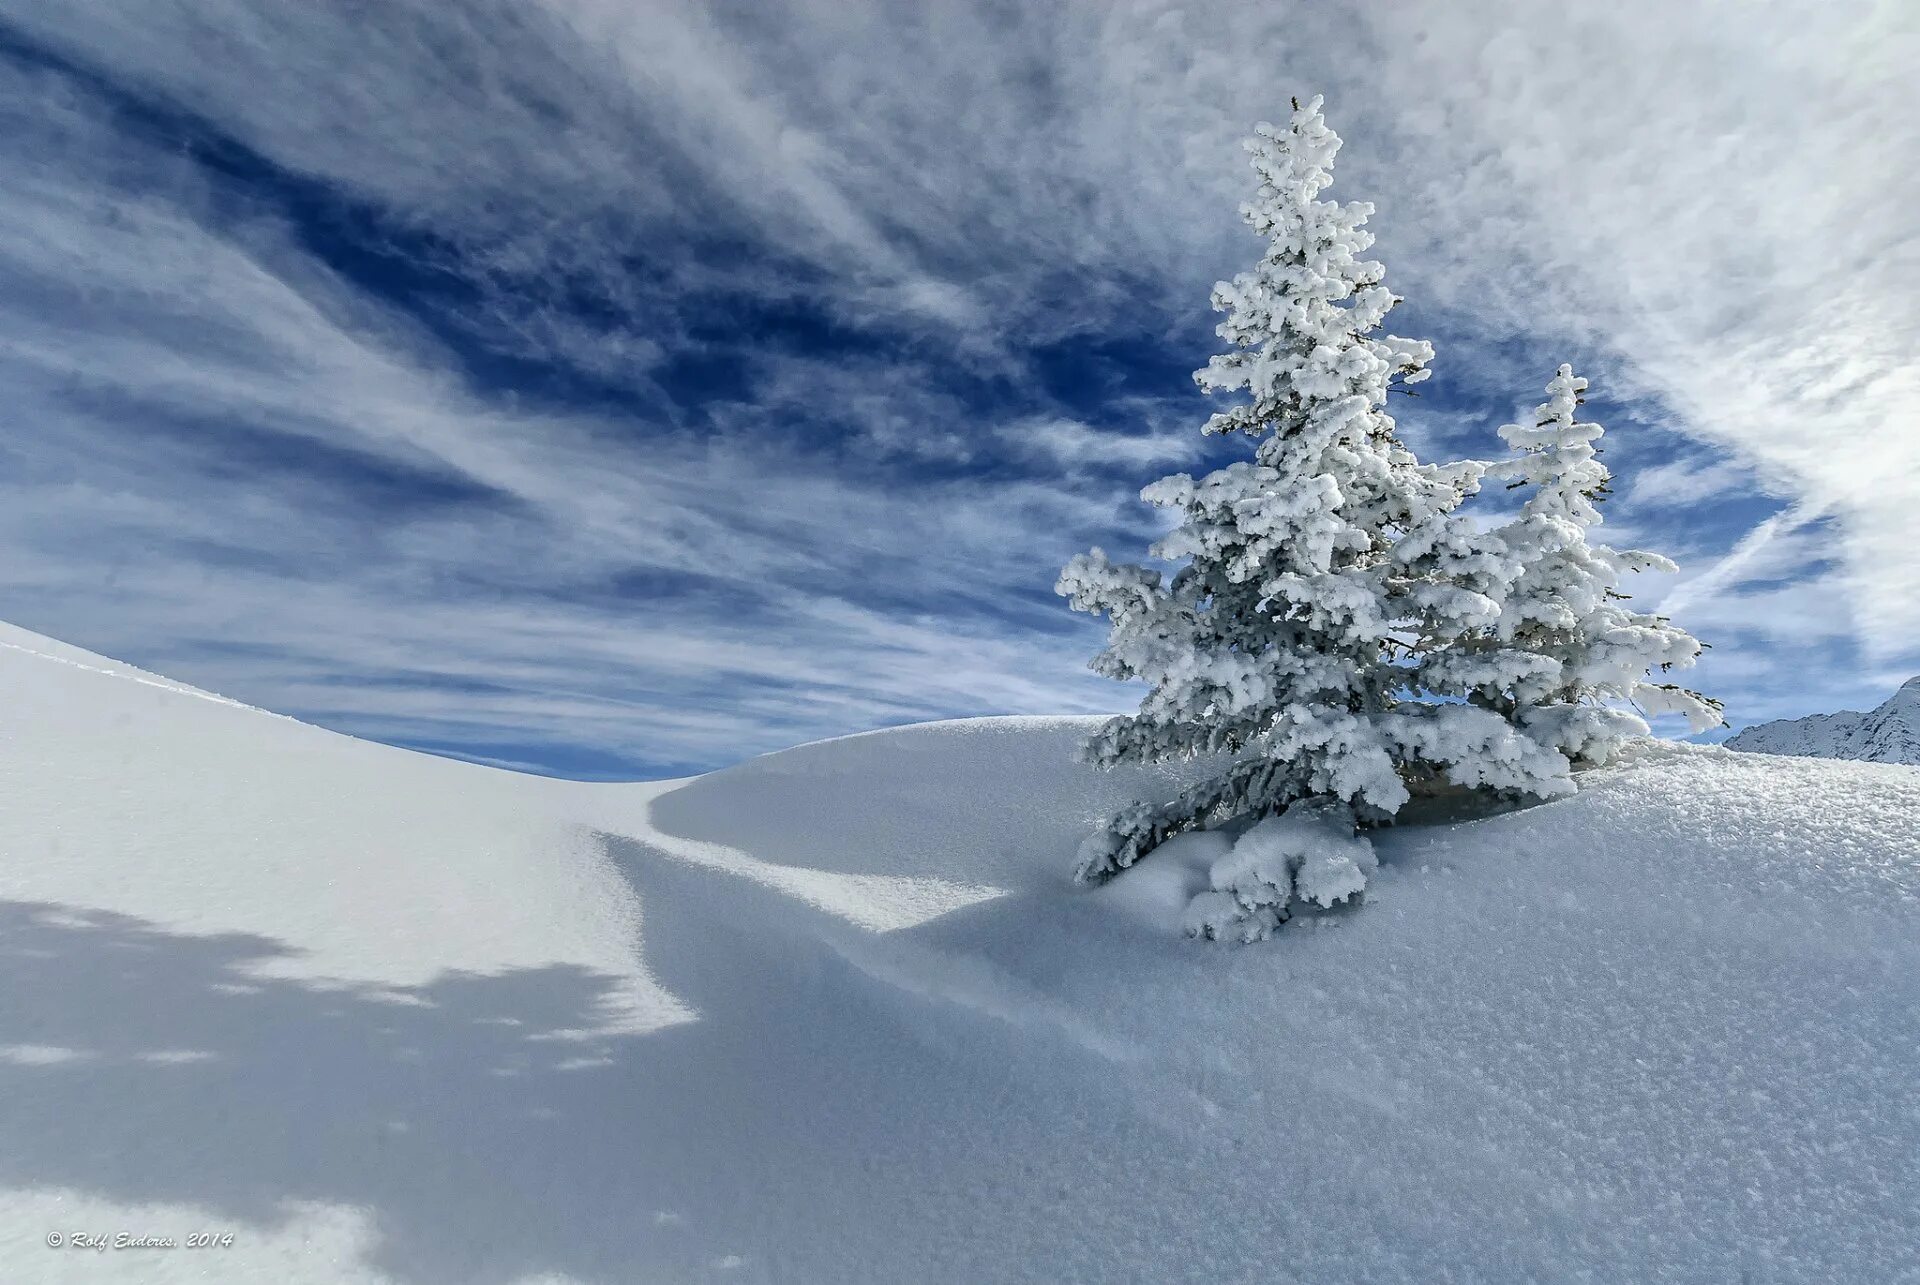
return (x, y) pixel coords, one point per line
(625, 389)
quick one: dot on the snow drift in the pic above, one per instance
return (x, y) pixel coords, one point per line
(836, 1015)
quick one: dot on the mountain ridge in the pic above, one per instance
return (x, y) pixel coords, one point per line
(1888, 733)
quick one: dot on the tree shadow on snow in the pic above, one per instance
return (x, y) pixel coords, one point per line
(846, 1105)
(486, 1138)
(811, 1123)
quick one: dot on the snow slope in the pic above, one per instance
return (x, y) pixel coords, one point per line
(1888, 734)
(835, 1015)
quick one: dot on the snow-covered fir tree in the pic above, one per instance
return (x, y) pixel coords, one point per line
(1282, 641)
(1564, 653)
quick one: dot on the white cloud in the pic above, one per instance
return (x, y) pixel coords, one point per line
(1723, 195)
(462, 621)
(1072, 444)
(1687, 481)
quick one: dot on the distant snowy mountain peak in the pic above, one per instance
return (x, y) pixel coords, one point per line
(1888, 734)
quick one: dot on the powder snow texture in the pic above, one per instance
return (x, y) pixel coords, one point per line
(836, 1015)
(1888, 734)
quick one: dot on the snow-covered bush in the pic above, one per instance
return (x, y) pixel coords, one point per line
(1335, 629)
(1309, 853)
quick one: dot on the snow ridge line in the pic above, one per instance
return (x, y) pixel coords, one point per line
(132, 675)
(876, 902)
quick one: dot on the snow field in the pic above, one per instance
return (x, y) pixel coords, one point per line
(838, 1015)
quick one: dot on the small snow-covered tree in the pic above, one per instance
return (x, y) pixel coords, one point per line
(1282, 640)
(1564, 651)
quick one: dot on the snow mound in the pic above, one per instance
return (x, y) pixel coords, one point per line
(837, 1015)
(1887, 734)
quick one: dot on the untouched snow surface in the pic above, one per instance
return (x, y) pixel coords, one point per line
(1887, 734)
(835, 1015)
